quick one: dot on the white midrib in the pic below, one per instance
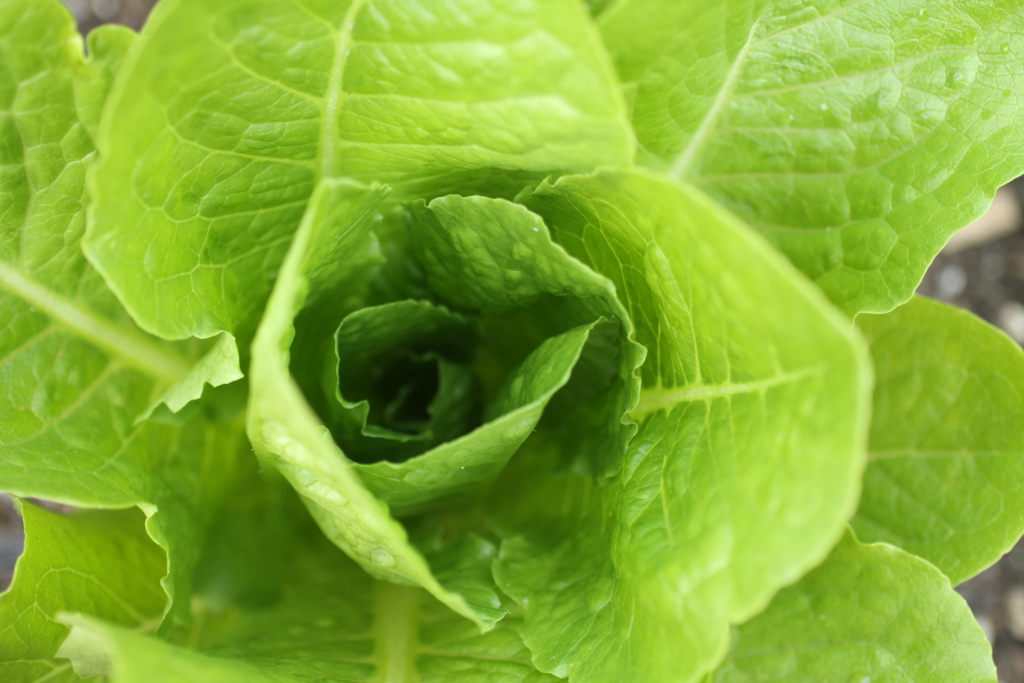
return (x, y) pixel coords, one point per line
(133, 349)
(653, 400)
(335, 90)
(395, 633)
(685, 159)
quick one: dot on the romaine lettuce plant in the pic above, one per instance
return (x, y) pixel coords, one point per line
(472, 341)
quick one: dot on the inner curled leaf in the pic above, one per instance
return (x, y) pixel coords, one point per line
(430, 395)
(413, 379)
(396, 380)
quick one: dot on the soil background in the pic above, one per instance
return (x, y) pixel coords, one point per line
(91, 13)
(983, 273)
(987, 277)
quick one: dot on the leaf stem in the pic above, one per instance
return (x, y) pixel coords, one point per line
(396, 637)
(682, 165)
(335, 91)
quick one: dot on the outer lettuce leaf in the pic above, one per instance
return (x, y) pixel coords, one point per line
(869, 613)
(945, 477)
(228, 113)
(334, 624)
(857, 135)
(97, 561)
(220, 365)
(333, 243)
(76, 370)
(748, 457)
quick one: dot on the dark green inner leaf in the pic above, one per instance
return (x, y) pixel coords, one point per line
(436, 354)
(401, 394)
(396, 380)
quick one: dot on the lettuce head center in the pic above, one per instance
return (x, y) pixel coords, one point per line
(401, 394)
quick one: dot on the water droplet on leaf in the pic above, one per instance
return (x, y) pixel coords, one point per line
(382, 557)
(513, 433)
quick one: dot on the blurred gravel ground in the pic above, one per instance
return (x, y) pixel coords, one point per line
(92, 13)
(12, 539)
(982, 270)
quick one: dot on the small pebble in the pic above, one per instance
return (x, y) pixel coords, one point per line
(1011, 319)
(951, 281)
(1014, 608)
(79, 8)
(993, 265)
(106, 10)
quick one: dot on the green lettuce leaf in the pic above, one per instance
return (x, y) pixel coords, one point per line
(334, 623)
(220, 365)
(77, 371)
(227, 114)
(100, 561)
(857, 135)
(868, 613)
(587, 429)
(598, 6)
(945, 476)
(746, 464)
